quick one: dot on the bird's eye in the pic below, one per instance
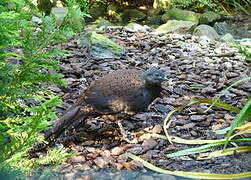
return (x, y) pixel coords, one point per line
(156, 74)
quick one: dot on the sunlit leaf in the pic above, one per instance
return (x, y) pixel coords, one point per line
(195, 175)
(241, 117)
(225, 152)
(203, 148)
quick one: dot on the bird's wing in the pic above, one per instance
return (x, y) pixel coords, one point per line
(115, 92)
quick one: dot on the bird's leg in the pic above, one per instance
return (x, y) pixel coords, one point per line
(124, 133)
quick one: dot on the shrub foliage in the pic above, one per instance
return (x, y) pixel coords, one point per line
(27, 66)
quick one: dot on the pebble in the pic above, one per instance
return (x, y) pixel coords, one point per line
(117, 150)
(77, 160)
(149, 144)
(157, 129)
(198, 117)
(105, 153)
(162, 108)
(188, 126)
(181, 122)
(135, 150)
(231, 74)
(100, 162)
(238, 92)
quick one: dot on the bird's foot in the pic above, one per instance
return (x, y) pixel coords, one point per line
(126, 135)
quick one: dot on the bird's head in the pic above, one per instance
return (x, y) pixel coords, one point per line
(154, 76)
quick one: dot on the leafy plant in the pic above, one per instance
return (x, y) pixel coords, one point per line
(241, 5)
(196, 5)
(213, 5)
(244, 51)
(28, 66)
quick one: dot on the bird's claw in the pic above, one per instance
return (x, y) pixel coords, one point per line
(125, 135)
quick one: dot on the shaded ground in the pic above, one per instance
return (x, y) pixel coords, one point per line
(198, 69)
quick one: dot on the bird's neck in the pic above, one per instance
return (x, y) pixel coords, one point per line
(155, 89)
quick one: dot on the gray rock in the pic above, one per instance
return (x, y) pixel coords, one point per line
(227, 38)
(174, 26)
(154, 20)
(179, 14)
(102, 23)
(198, 117)
(153, 12)
(231, 74)
(137, 27)
(205, 30)
(132, 15)
(117, 151)
(209, 17)
(100, 162)
(101, 47)
(223, 28)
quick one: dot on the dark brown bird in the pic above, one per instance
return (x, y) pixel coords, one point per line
(120, 93)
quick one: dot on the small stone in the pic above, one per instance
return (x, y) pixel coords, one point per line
(161, 108)
(69, 80)
(55, 89)
(90, 156)
(83, 178)
(204, 123)
(149, 144)
(228, 117)
(157, 129)
(70, 175)
(105, 153)
(100, 162)
(118, 166)
(122, 158)
(91, 149)
(217, 127)
(218, 51)
(117, 151)
(135, 150)
(208, 90)
(238, 92)
(169, 100)
(198, 117)
(227, 38)
(85, 167)
(181, 122)
(133, 165)
(188, 126)
(77, 160)
(232, 74)
(180, 91)
(193, 133)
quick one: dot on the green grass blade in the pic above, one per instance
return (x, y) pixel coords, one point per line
(203, 148)
(195, 175)
(241, 117)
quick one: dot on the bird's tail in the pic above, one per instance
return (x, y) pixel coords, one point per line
(72, 117)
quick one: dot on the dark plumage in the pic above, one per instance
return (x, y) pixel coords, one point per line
(122, 92)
